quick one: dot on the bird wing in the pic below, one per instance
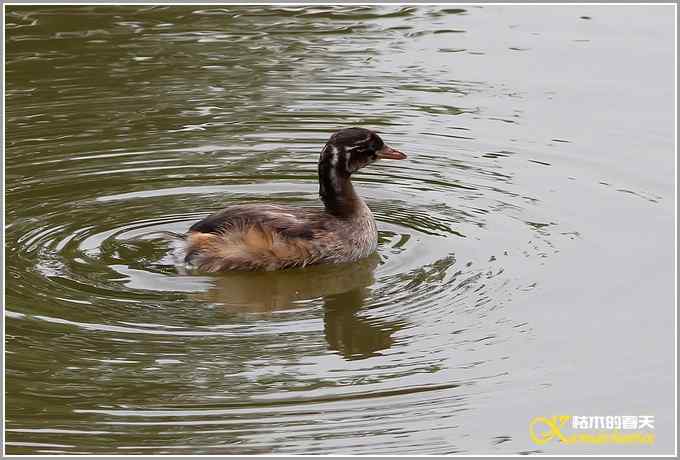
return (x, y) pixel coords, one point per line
(256, 237)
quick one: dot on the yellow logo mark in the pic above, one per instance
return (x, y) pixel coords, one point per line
(553, 424)
(545, 429)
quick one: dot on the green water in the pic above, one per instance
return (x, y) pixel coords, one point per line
(525, 264)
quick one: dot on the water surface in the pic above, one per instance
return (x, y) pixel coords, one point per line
(525, 265)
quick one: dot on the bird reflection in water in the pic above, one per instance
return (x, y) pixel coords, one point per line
(344, 290)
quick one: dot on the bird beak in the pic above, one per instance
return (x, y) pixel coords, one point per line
(390, 154)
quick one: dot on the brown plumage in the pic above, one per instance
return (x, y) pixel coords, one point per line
(272, 237)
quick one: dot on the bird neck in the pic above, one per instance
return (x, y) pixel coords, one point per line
(336, 190)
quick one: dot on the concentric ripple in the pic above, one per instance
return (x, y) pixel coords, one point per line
(128, 124)
(160, 360)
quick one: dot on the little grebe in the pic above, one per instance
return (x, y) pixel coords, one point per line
(272, 237)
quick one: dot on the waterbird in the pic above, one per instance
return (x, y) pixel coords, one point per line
(272, 237)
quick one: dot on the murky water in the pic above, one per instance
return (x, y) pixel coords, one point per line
(525, 265)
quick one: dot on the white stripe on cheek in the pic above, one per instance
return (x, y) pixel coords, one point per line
(334, 156)
(334, 163)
